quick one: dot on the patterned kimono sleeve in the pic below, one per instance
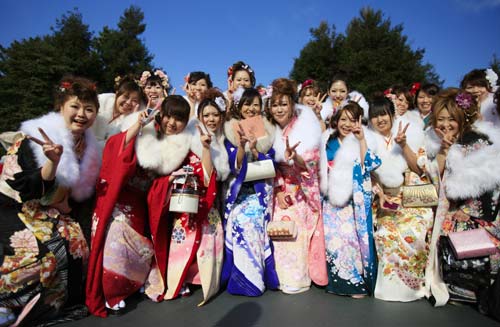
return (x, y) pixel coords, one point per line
(371, 162)
(28, 181)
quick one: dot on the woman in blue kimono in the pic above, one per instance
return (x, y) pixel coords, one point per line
(346, 186)
(249, 263)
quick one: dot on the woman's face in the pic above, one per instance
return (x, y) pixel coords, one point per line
(197, 88)
(250, 109)
(338, 92)
(446, 123)
(281, 110)
(424, 103)
(241, 78)
(479, 92)
(211, 118)
(401, 104)
(78, 115)
(126, 103)
(382, 124)
(154, 93)
(308, 98)
(172, 125)
(345, 124)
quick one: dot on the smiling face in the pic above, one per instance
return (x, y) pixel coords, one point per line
(241, 78)
(424, 103)
(172, 125)
(382, 124)
(126, 103)
(401, 104)
(78, 115)
(338, 92)
(447, 123)
(308, 98)
(478, 92)
(250, 109)
(281, 110)
(211, 118)
(345, 124)
(198, 87)
(153, 92)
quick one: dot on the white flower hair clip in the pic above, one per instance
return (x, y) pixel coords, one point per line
(492, 78)
(221, 103)
(238, 94)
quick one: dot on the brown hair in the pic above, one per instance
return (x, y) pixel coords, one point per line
(476, 77)
(173, 106)
(70, 86)
(399, 89)
(354, 111)
(127, 85)
(281, 87)
(208, 99)
(465, 117)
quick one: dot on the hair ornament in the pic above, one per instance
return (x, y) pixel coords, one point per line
(265, 92)
(221, 103)
(492, 78)
(464, 100)
(305, 84)
(238, 94)
(65, 86)
(414, 88)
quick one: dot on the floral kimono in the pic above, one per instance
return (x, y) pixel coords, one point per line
(249, 266)
(347, 216)
(44, 250)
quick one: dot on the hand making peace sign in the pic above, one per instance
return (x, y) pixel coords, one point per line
(290, 152)
(205, 139)
(401, 136)
(447, 138)
(357, 130)
(51, 150)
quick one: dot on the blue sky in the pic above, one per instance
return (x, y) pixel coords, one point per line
(184, 36)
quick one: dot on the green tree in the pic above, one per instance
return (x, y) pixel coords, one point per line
(121, 51)
(373, 53)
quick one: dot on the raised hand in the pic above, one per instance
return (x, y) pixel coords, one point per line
(318, 103)
(204, 138)
(51, 150)
(401, 136)
(357, 130)
(290, 151)
(447, 138)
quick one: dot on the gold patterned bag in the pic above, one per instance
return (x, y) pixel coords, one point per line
(421, 195)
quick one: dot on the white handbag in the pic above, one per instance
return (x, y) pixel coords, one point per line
(185, 198)
(262, 169)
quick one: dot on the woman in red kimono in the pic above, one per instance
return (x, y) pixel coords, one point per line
(195, 247)
(132, 160)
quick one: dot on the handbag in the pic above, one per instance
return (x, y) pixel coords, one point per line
(471, 243)
(282, 230)
(420, 195)
(261, 169)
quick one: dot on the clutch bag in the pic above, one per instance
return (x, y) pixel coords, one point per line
(261, 169)
(423, 195)
(282, 230)
(471, 243)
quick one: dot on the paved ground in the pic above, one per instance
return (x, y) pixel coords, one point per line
(312, 308)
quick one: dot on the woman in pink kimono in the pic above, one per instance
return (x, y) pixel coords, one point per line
(297, 198)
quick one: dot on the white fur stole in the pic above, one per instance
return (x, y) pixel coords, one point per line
(80, 176)
(264, 144)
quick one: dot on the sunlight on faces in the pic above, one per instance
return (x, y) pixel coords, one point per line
(382, 124)
(308, 98)
(338, 92)
(78, 115)
(241, 78)
(153, 92)
(198, 87)
(126, 103)
(345, 124)
(281, 110)
(172, 125)
(424, 102)
(211, 118)
(478, 92)
(251, 109)
(401, 104)
(447, 123)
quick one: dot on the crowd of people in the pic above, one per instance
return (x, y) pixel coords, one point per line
(247, 190)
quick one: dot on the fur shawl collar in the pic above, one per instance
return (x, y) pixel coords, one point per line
(327, 107)
(432, 143)
(79, 176)
(264, 144)
(391, 171)
(307, 130)
(471, 175)
(161, 156)
(218, 152)
(337, 182)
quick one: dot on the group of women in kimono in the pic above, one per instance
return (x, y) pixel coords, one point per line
(340, 166)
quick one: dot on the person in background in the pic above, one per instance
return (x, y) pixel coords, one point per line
(196, 84)
(239, 74)
(310, 95)
(424, 96)
(482, 84)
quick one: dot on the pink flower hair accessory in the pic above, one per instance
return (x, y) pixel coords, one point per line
(464, 100)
